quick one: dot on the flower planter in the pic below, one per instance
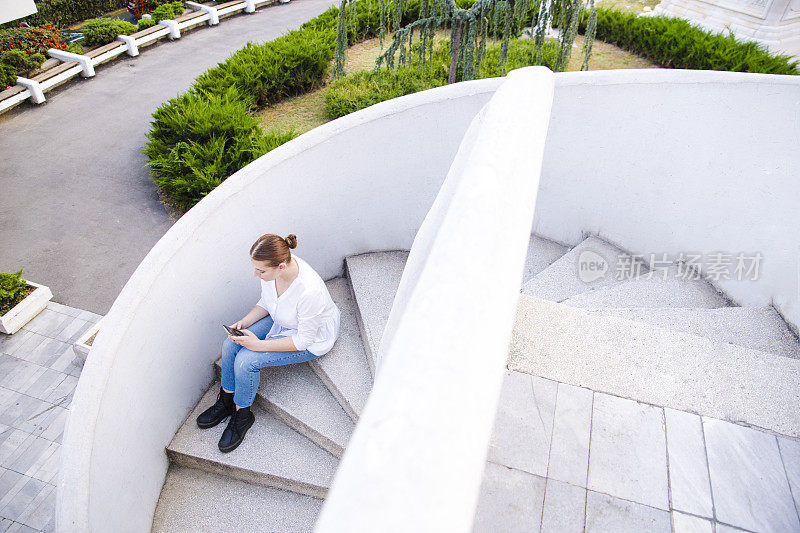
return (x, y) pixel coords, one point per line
(84, 342)
(29, 307)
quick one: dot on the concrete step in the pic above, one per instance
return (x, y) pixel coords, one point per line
(295, 394)
(272, 454)
(655, 365)
(758, 328)
(661, 289)
(603, 265)
(194, 500)
(375, 278)
(542, 252)
(344, 369)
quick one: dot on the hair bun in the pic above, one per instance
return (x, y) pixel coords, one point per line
(291, 241)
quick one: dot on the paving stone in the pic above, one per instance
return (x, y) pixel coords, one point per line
(52, 427)
(510, 500)
(606, 514)
(628, 456)
(564, 508)
(48, 323)
(19, 502)
(41, 510)
(22, 375)
(73, 330)
(46, 466)
(28, 454)
(10, 344)
(194, 501)
(45, 384)
(63, 359)
(10, 442)
(46, 353)
(62, 394)
(5, 523)
(790, 452)
(748, 479)
(684, 523)
(523, 423)
(8, 480)
(688, 468)
(63, 309)
(21, 528)
(569, 451)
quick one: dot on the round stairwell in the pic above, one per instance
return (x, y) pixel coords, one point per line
(623, 401)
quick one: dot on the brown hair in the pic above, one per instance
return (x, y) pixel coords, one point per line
(273, 249)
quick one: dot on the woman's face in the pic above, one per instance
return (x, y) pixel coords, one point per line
(261, 269)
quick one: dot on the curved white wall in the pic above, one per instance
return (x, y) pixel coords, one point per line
(657, 161)
(361, 183)
(670, 161)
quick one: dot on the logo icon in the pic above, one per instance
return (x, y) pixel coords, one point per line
(591, 266)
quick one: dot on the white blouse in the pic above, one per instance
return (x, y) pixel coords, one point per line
(305, 311)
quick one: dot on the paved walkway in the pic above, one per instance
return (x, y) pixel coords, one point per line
(79, 210)
(38, 374)
(565, 458)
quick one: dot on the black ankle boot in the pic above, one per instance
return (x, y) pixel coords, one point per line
(217, 412)
(240, 422)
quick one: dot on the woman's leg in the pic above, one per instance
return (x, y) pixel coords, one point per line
(247, 370)
(230, 349)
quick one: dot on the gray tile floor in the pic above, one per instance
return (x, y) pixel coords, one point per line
(38, 374)
(604, 463)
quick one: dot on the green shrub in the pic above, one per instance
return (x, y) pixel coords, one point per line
(8, 76)
(674, 43)
(197, 141)
(31, 40)
(366, 88)
(97, 32)
(74, 47)
(21, 61)
(266, 73)
(163, 12)
(12, 290)
(520, 54)
(143, 24)
(63, 13)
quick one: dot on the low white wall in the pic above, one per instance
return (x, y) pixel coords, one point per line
(361, 183)
(670, 161)
(416, 458)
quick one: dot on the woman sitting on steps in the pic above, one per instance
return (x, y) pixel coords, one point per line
(294, 321)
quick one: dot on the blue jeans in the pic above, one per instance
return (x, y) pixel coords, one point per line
(241, 368)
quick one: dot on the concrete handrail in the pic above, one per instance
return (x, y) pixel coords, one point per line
(331, 187)
(416, 458)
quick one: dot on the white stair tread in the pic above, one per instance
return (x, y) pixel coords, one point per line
(298, 397)
(375, 278)
(272, 454)
(758, 328)
(656, 290)
(194, 500)
(561, 279)
(655, 365)
(542, 252)
(344, 369)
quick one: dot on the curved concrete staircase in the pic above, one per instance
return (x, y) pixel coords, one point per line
(676, 357)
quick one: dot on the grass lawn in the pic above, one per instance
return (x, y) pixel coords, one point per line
(306, 112)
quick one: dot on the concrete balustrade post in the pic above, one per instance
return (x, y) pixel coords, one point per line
(133, 50)
(213, 17)
(37, 95)
(84, 61)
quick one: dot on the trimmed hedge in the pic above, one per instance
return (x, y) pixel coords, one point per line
(198, 140)
(675, 43)
(98, 32)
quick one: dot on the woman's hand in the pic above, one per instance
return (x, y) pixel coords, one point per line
(239, 325)
(249, 340)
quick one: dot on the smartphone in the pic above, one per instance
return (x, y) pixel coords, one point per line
(233, 331)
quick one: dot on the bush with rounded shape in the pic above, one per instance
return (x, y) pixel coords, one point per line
(198, 140)
(143, 24)
(98, 32)
(31, 40)
(21, 61)
(8, 76)
(163, 12)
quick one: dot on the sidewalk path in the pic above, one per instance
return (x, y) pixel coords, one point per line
(78, 208)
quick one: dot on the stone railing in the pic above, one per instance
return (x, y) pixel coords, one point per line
(69, 65)
(416, 458)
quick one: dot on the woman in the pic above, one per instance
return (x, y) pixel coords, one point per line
(294, 321)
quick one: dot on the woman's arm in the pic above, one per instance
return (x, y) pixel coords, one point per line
(255, 314)
(251, 342)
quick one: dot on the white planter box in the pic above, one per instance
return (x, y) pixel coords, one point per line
(81, 348)
(23, 312)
